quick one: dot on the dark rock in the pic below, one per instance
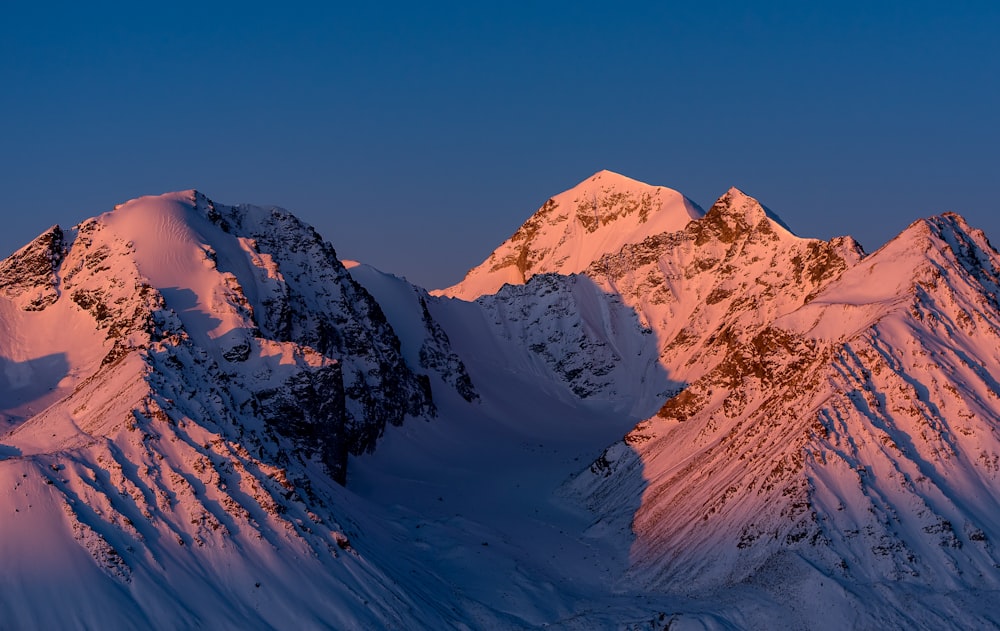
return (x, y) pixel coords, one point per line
(29, 275)
(309, 409)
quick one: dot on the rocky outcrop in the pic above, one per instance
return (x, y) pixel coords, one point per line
(308, 407)
(436, 355)
(304, 295)
(585, 338)
(730, 273)
(28, 277)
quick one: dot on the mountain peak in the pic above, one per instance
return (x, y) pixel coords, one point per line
(947, 229)
(738, 204)
(608, 177)
(189, 196)
(952, 237)
(949, 222)
(936, 253)
(570, 231)
(227, 280)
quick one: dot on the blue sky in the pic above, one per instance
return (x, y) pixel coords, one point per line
(418, 136)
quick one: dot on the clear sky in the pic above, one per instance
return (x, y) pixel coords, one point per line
(418, 136)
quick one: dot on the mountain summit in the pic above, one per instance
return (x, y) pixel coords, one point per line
(573, 229)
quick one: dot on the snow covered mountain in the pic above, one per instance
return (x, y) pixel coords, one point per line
(222, 278)
(842, 455)
(830, 426)
(185, 375)
(573, 229)
(811, 434)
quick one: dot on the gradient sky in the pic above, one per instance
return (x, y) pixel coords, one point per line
(418, 136)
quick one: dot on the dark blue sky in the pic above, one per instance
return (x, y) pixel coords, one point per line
(418, 136)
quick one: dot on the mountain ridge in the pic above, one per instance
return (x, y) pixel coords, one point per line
(811, 434)
(798, 422)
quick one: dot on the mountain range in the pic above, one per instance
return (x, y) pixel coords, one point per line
(633, 414)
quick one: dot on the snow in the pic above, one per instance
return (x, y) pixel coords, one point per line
(575, 228)
(827, 456)
(43, 356)
(139, 476)
(171, 244)
(399, 303)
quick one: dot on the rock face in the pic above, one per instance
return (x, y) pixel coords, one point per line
(425, 342)
(436, 355)
(727, 274)
(304, 295)
(28, 277)
(584, 338)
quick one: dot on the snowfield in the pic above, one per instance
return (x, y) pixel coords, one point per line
(635, 414)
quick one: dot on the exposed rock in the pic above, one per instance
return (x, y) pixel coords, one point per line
(436, 355)
(309, 408)
(28, 277)
(306, 296)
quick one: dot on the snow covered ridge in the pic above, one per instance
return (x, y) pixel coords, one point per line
(840, 428)
(811, 434)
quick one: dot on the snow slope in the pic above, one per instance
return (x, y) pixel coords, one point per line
(47, 348)
(810, 434)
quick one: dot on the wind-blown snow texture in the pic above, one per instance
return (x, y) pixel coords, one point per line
(810, 434)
